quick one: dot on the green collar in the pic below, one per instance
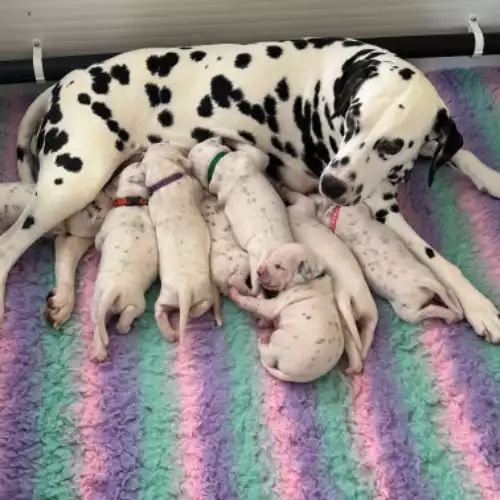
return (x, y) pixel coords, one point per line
(213, 164)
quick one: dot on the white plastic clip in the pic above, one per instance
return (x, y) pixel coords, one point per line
(475, 29)
(38, 61)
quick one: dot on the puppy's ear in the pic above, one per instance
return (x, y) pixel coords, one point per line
(308, 268)
(449, 142)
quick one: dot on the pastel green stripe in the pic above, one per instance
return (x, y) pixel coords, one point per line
(160, 469)
(61, 350)
(420, 398)
(333, 403)
(252, 468)
(486, 120)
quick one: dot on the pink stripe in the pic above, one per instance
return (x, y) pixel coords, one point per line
(190, 388)
(462, 433)
(15, 111)
(370, 447)
(93, 470)
(283, 433)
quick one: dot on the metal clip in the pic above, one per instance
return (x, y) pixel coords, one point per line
(475, 29)
(38, 61)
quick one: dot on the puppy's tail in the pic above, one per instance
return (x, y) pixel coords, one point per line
(217, 304)
(101, 338)
(344, 303)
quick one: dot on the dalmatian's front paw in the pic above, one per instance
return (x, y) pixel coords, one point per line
(60, 302)
(483, 317)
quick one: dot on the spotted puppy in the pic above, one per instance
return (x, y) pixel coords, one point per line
(352, 295)
(129, 258)
(254, 208)
(308, 340)
(391, 270)
(183, 240)
(228, 261)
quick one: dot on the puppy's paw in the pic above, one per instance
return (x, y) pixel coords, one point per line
(483, 317)
(234, 295)
(59, 305)
(100, 354)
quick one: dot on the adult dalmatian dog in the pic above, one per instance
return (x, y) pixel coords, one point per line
(336, 113)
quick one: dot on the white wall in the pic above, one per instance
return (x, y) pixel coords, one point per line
(69, 27)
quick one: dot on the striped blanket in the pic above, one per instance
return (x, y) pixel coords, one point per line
(205, 422)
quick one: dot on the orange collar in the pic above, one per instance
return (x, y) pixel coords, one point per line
(334, 219)
(130, 201)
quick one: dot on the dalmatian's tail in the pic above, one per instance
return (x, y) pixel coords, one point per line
(101, 338)
(345, 305)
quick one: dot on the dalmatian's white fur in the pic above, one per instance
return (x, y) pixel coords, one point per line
(183, 241)
(308, 339)
(335, 109)
(253, 207)
(129, 261)
(228, 261)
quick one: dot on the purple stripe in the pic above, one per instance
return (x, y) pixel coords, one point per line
(391, 417)
(119, 429)
(214, 377)
(300, 404)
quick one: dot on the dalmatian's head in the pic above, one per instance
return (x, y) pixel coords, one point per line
(289, 265)
(385, 124)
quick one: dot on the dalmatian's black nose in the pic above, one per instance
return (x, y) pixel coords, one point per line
(332, 187)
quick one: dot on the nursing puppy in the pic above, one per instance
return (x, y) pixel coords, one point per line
(183, 240)
(129, 258)
(228, 261)
(308, 340)
(390, 269)
(352, 295)
(254, 208)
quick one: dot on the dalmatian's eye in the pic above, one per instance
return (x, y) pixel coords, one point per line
(389, 147)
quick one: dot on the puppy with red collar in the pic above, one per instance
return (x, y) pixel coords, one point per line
(183, 239)
(308, 339)
(391, 270)
(129, 258)
(254, 208)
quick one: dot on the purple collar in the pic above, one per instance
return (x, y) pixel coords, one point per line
(165, 182)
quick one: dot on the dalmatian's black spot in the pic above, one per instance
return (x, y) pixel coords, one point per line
(237, 95)
(84, 99)
(247, 136)
(388, 147)
(113, 126)
(119, 145)
(123, 135)
(198, 55)
(28, 222)
(69, 163)
(317, 89)
(20, 153)
(334, 164)
(316, 125)
(381, 215)
(242, 61)
(121, 73)
(328, 116)
(352, 176)
(342, 129)
(100, 109)
(274, 51)
(219, 58)
(362, 145)
(322, 152)
(300, 43)
(410, 144)
(272, 123)
(221, 89)
(70, 83)
(205, 108)
(345, 160)
(257, 113)
(245, 108)
(54, 115)
(162, 65)
(388, 196)
(58, 181)
(157, 95)
(319, 43)
(100, 80)
(276, 143)
(430, 252)
(282, 90)
(186, 47)
(349, 42)
(201, 134)
(395, 208)
(40, 140)
(166, 118)
(273, 167)
(154, 139)
(333, 144)
(270, 105)
(406, 73)
(401, 106)
(55, 139)
(290, 150)
(359, 189)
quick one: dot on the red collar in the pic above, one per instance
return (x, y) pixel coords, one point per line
(130, 201)
(335, 218)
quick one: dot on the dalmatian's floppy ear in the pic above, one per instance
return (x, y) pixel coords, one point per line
(449, 142)
(308, 268)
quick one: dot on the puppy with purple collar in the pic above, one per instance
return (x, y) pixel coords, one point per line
(183, 240)
(129, 258)
(308, 339)
(255, 210)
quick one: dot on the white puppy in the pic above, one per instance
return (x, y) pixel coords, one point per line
(353, 297)
(308, 340)
(228, 261)
(254, 208)
(129, 258)
(390, 269)
(183, 240)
